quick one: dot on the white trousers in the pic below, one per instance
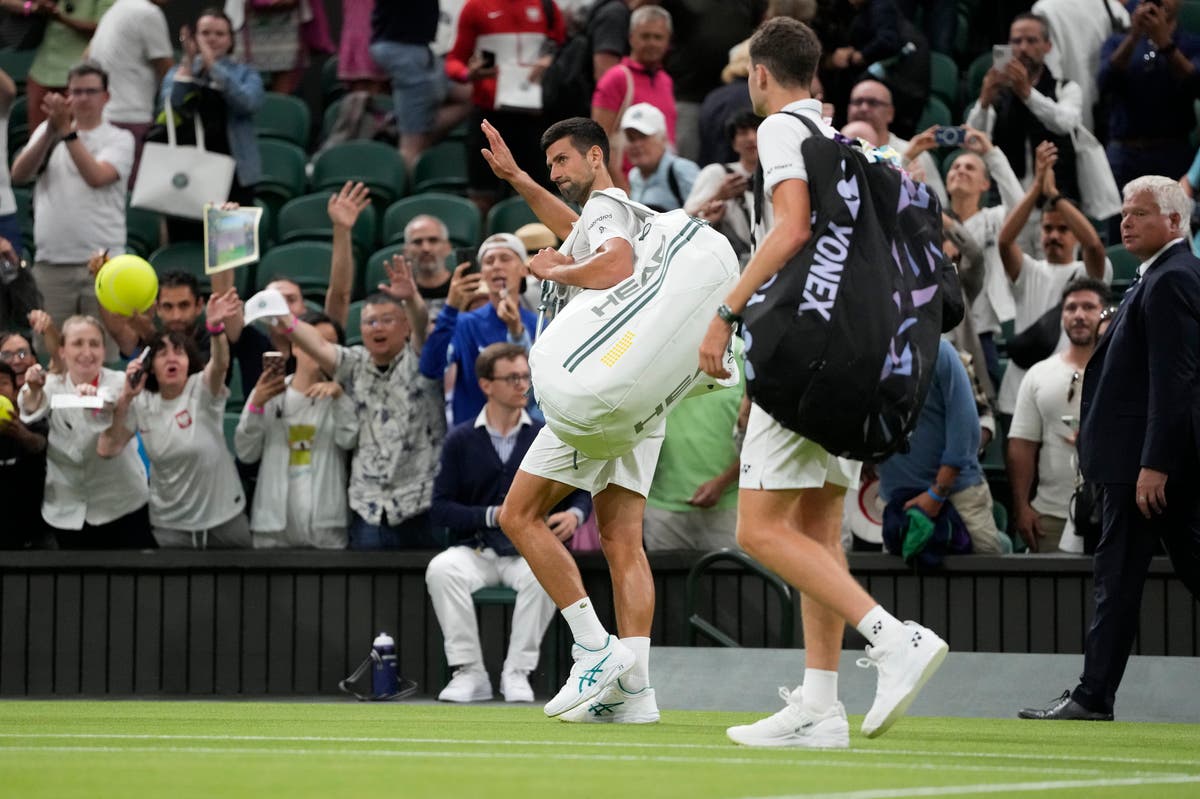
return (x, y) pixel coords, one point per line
(456, 573)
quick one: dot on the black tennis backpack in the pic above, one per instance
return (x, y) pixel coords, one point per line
(841, 343)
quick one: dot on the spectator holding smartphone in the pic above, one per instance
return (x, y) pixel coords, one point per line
(459, 336)
(91, 502)
(196, 499)
(299, 428)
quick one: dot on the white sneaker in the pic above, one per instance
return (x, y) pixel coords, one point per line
(905, 664)
(514, 685)
(616, 706)
(796, 726)
(594, 670)
(469, 684)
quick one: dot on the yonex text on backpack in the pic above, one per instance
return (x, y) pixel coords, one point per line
(841, 343)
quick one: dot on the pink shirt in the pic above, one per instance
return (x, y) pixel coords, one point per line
(654, 87)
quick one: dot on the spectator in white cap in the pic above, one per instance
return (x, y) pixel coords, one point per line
(659, 179)
(459, 336)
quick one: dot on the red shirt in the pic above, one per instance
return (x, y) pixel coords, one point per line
(499, 18)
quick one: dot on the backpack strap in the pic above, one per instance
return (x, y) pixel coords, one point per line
(673, 183)
(760, 194)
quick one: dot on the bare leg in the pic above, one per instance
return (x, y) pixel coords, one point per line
(819, 518)
(619, 515)
(411, 147)
(766, 530)
(523, 519)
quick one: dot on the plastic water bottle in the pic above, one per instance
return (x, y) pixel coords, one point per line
(879, 69)
(385, 679)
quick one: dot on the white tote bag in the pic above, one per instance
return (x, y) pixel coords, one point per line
(615, 361)
(178, 180)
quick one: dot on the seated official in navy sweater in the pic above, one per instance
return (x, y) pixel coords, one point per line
(942, 464)
(479, 460)
(459, 335)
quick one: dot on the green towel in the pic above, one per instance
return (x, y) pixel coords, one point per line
(918, 532)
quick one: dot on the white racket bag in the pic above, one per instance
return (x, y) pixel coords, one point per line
(614, 362)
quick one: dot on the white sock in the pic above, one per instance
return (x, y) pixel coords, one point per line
(585, 625)
(637, 677)
(878, 624)
(819, 690)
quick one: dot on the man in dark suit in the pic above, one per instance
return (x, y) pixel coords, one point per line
(1141, 391)
(479, 460)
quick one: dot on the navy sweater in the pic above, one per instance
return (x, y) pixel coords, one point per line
(472, 478)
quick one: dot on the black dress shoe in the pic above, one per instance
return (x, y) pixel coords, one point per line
(1063, 709)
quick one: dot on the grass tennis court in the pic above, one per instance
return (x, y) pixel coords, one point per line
(300, 749)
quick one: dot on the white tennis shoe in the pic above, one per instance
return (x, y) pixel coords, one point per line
(905, 663)
(593, 672)
(796, 726)
(616, 706)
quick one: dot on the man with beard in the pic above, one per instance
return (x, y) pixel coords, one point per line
(1042, 435)
(610, 680)
(426, 248)
(1037, 284)
(1022, 104)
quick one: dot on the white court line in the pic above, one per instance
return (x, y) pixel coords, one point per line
(1012, 787)
(918, 753)
(568, 756)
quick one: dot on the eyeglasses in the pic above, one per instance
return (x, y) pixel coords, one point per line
(14, 355)
(870, 102)
(1071, 388)
(380, 321)
(516, 379)
(87, 92)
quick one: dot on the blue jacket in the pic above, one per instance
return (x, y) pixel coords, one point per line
(471, 479)
(459, 338)
(242, 89)
(947, 432)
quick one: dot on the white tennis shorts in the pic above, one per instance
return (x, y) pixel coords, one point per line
(550, 458)
(777, 459)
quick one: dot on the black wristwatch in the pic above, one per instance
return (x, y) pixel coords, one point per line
(727, 315)
(72, 136)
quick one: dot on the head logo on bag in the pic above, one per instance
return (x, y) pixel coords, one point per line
(180, 180)
(841, 342)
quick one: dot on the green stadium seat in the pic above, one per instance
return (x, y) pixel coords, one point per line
(283, 117)
(975, 73)
(442, 167)
(508, 215)
(304, 262)
(1125, 265)
(935, 113)
(381, 104)
(353, 319)
(266, 224)
(283, 175)
(1189, 16)
(307, 218)
(460, 215)
(377, 165)
(188, 256)
(18, 125)
(375, 273)
(230, 424)
(944, 80)
(16, 63)
(331, 88)
(142, 231)
(24, 197)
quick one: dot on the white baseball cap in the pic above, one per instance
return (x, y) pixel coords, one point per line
(646, 119)
(502, 241)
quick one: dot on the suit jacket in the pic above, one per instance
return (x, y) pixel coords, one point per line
(472, 478)
(1140, 396)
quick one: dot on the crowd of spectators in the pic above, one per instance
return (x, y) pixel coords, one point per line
(338, 445)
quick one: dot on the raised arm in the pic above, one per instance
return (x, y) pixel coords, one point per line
(114, 438)
(1006, 241)
(306, 337)
(1094, 256)
(611, 263)
(551, 210)
(221, 307)
(402, 287)
(344, 208)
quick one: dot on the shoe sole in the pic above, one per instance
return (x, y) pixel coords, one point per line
(902, 706)
(479, 698)
(793, 743)
(593, 691)
(608, 720)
